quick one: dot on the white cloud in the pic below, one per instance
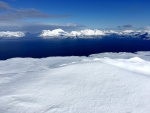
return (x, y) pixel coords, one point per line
(9, 34)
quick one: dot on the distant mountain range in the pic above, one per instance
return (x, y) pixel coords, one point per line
(87, 33)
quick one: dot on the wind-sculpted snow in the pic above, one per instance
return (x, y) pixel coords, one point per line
(100, 83)
(9, 34)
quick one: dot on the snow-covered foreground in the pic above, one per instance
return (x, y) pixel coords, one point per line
(102, 83)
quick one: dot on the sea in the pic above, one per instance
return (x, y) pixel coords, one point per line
(41, 48)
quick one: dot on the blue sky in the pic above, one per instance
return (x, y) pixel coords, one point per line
(73, 14)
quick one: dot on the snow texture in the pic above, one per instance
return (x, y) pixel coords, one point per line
(100, 83)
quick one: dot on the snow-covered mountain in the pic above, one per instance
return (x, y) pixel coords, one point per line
(53, 33)
(101, 83)
(88, 33)
(9, 34)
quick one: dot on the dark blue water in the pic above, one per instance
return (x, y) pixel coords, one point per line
(39, 48)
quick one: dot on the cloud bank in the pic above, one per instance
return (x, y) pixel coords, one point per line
(10, 13)
(4, 6)
(18, 14)
(126, 26)
(16, 19)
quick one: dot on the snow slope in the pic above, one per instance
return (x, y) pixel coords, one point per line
(100, 83)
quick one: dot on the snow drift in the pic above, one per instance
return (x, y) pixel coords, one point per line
(101, 83)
